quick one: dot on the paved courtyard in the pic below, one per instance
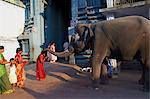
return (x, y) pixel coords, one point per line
(64, 81)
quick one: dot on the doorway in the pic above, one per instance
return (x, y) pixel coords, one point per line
(57, 21)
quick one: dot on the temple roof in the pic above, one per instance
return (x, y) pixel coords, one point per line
(16, 2)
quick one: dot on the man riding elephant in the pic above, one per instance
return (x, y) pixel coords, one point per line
(127, 34)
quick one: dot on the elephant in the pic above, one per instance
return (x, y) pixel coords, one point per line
(129, 35)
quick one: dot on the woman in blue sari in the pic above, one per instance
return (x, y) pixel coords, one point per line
(5, 85)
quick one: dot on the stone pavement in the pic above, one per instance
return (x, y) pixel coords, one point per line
(64, 81)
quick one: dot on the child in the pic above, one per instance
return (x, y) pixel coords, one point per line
(40, 72)
(52, 58)
(12, 73)
(20, 63)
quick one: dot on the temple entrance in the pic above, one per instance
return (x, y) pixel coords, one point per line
(57, 21)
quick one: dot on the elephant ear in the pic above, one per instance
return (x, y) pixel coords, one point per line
(86, 34)
(79, 46)
(80, 28)
(91, 29)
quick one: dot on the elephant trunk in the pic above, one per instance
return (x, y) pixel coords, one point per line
(64, 53)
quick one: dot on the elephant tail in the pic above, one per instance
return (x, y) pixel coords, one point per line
(146, 36)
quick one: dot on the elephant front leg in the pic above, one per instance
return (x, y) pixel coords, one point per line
(96, 67)
(146, 86)
(96, 70)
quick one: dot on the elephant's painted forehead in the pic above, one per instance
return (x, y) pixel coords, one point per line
(80, 28)
(76, 37)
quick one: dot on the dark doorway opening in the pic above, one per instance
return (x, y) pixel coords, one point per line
(57, 21)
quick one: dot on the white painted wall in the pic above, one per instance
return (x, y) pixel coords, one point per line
(12, 19)
(110, 3)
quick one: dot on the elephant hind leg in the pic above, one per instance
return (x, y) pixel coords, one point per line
(147, 71)
(146, 86)
(146, 57)
(145, 78)
(142, 79)
(138, 57)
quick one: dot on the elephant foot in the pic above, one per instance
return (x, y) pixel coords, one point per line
(95, 85)
(141, 82)
(104, 80)
(146, 89)
(96, 88)
(110, 76)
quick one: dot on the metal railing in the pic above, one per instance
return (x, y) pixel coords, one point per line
(90, 14)
(124, 2)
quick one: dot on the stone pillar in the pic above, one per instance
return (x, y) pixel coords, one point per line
(23, 45)
(37, 35)
(32, 13)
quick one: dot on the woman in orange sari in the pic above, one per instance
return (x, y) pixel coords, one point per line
(20, 68)
(40, 72)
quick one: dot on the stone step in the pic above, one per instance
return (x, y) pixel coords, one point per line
(82, 57)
